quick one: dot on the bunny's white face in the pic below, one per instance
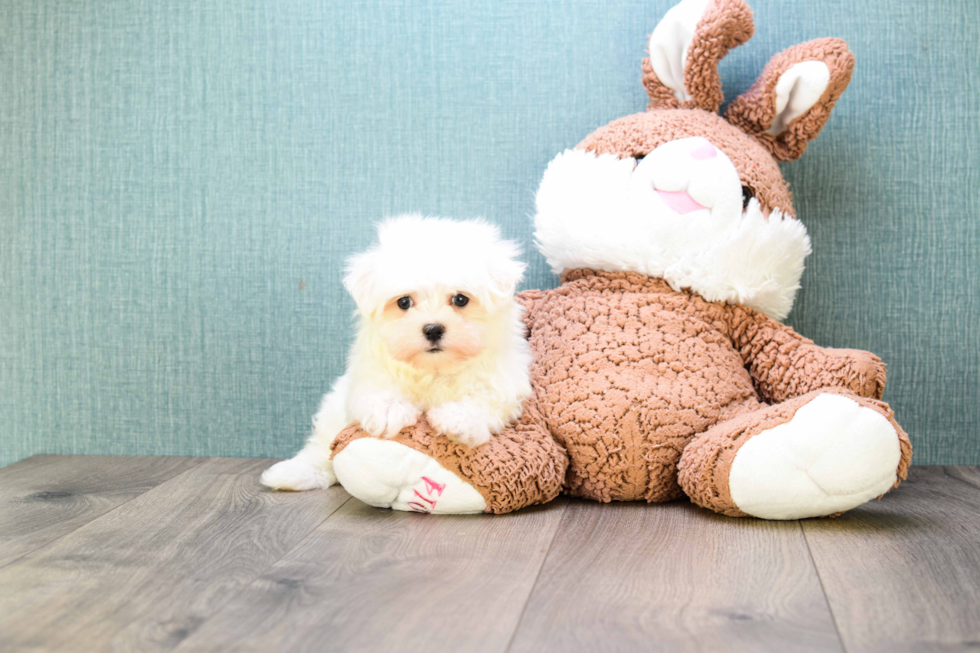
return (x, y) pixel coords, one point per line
(681, 193)
(685, 176)
(679, 213)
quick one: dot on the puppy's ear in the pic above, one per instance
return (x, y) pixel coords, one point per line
(505, 270)
(360, 281)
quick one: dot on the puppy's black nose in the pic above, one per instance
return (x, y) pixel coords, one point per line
(433, 332)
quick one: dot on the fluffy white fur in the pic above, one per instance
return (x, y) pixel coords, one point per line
(470, 385)
(603, 212)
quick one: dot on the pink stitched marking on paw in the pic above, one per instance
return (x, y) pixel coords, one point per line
(418, 507)
(424, 498)
(431, 485)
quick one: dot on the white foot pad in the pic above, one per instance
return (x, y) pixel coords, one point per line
(833, 455)
(387, 474)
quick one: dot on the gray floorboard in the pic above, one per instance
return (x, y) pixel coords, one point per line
(157, 554)
(903, 573)
(673, 577)
(371, 580)
(45, 497)
(147, 574)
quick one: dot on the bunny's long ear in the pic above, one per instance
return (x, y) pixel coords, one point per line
(791, 101)
(685, 48)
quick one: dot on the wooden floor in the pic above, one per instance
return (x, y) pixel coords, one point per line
(191, 554)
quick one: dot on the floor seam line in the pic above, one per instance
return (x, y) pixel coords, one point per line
(537, 577)
(823, 589)
(200, 460)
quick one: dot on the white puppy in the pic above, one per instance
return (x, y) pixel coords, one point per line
(439, 333)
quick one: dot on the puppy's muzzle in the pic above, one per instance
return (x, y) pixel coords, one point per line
(433, 332)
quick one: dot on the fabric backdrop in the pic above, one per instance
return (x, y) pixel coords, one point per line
(181, 180)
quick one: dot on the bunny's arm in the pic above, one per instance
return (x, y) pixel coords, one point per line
(783, 364)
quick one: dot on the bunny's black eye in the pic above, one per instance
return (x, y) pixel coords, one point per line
(460, 300)
(405, 303)
(747, 194)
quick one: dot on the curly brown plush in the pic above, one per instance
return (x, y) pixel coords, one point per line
(661, 368)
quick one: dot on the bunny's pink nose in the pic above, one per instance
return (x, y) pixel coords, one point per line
(705, 151)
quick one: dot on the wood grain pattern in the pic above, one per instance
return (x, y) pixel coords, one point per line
(146, 575)
(208, 560)
(45, 497)
(673, 577)
(903, 574)
(968, 474)
(370, 580)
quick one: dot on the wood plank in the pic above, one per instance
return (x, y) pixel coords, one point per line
(673, 577)
(372, 580)
(145, 575)
(968, 474)
(903, 573)
(45, 497)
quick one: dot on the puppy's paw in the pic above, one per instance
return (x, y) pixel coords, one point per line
(389, 418)
(298, 475)
(467, 425)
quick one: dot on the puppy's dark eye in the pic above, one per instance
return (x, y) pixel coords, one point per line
(405, 303)
(747, 194)
(460, 300)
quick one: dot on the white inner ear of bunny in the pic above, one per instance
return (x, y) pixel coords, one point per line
(670, 43)
(797, 90)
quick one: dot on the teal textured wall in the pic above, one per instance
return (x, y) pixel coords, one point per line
(180, 181)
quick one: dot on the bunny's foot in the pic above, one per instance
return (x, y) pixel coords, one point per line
(816, 455)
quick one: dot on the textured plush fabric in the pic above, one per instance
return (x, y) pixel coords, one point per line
(728, 25)
(704, 468)
(627, 371)
(637, 382)
(180, 182)
(753, 112)
(630, 366)
(522, 466)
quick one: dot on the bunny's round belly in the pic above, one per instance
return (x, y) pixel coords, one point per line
(624, 400)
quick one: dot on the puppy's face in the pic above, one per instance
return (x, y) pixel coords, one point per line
(434, 329)
(436, 293)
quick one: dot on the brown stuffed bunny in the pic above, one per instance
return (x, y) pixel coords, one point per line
(661, 369)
